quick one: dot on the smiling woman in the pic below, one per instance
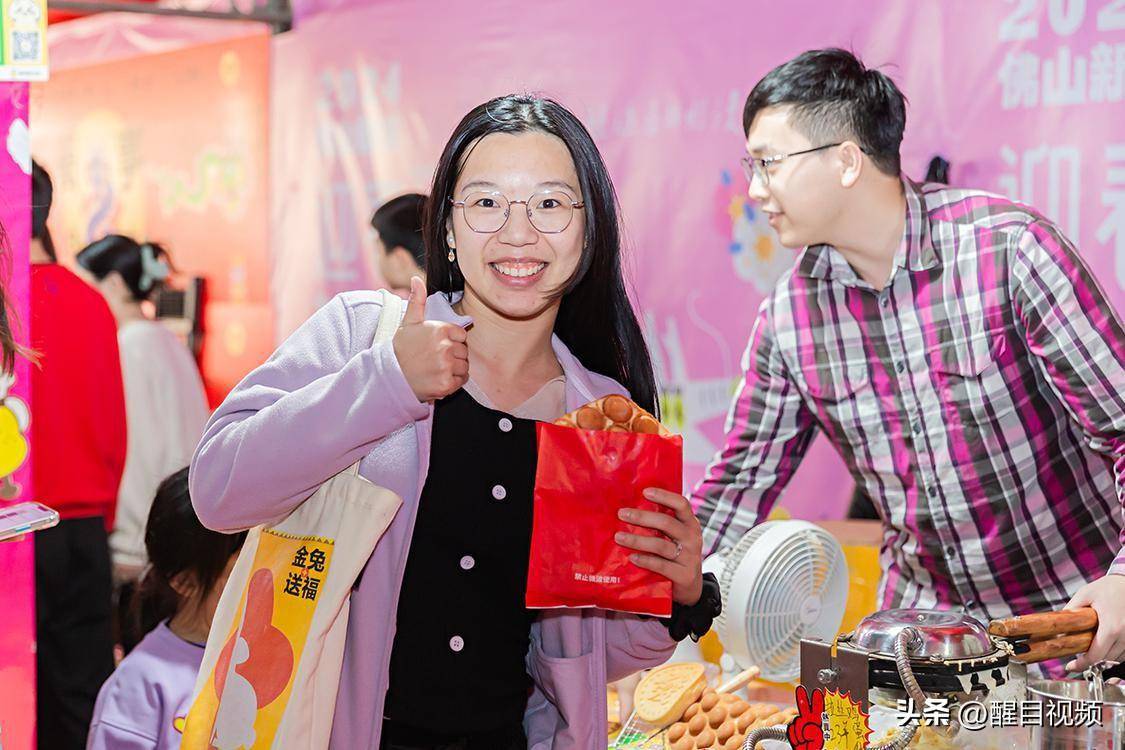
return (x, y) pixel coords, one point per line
(526, 319)
(519, 152)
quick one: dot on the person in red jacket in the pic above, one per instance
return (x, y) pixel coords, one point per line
(78, 438)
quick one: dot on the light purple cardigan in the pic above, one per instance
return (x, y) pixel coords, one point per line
(328, 397)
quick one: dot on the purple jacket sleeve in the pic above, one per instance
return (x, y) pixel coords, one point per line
(633, 643)
(313, 409)
(105, 736)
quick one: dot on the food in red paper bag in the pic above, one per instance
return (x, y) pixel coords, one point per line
(614, 414)
(592, 463)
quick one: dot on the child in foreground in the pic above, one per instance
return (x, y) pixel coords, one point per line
(145, 701)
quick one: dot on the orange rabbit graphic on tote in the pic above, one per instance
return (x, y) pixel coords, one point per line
(245, 691)
(253, 669)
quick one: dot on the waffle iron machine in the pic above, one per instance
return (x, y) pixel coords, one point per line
(918, 654)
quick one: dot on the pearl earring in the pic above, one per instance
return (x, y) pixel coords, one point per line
(452, 257)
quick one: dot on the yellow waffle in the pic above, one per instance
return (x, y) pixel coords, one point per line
(664, 693)
(721, 721)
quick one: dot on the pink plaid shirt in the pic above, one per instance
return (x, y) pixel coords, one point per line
(979, 399)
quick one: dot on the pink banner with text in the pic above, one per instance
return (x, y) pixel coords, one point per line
(1024, 98)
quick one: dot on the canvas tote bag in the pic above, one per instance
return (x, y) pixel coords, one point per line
(271, 668)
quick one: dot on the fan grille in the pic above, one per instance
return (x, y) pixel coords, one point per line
(783, 581)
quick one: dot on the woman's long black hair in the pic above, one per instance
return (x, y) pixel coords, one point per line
(595, 318)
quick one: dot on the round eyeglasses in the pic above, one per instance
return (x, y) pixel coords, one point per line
(549, 212)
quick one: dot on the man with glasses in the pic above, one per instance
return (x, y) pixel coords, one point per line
(954, 348)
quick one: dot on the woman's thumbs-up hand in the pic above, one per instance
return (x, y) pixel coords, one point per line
(434, 356)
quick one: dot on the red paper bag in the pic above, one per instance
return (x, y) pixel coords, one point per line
(583, 478)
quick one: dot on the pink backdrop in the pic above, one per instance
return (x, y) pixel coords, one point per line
(1023, 97)
(17, 634)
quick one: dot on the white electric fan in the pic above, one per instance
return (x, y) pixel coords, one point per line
(781, 582)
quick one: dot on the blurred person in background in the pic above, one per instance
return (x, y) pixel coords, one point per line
(398, 241)
(164, 400)
(78, 430)
(42, 194)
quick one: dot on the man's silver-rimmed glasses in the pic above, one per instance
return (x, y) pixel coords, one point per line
(752, 166)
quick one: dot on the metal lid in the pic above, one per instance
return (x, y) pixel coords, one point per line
(947, 635)
(1076, 691)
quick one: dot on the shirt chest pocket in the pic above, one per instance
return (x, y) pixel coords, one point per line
(836, 383)
(842, 395)
(967, 376)
(968, 357)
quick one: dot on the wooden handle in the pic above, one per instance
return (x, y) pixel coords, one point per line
(1057, 647)
(740, 680)
(1046, 624)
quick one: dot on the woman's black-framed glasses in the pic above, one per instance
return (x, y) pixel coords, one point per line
(549, 212)
(752, 167)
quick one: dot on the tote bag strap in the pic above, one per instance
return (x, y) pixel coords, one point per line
(394, 308)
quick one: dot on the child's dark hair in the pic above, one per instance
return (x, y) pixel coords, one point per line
(177, 543)
(834, 97)
(144, 267)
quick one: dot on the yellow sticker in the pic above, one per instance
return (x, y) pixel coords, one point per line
(844, 723)
(13, 440)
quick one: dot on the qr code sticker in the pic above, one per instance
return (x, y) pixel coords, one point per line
(25, 46)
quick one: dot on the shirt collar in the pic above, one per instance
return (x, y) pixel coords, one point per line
(916, 251)
(440, 307)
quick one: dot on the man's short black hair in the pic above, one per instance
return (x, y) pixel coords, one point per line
(399, 224)
(42, 194)
(834, 97)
